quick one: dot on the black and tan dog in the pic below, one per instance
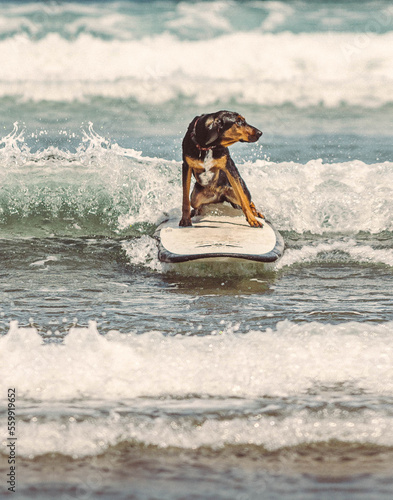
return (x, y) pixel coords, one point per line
(206, 155)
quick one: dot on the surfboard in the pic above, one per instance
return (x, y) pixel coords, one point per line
(218, 237)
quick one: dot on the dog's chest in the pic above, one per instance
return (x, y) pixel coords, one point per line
(207, 170)
(206, 177)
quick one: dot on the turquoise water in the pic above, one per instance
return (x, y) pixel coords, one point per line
(134, 381)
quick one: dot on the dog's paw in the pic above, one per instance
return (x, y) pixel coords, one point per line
(254, 222)
(185, 222)
(256, 212)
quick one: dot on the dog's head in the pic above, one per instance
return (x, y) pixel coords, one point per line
(223, 129)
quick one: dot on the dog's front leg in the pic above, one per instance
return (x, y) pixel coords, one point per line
(242, 194)
(256, 212)
(186, 207)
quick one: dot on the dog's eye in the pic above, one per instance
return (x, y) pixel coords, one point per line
(239, 121)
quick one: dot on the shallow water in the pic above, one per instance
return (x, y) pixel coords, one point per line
(139, 380)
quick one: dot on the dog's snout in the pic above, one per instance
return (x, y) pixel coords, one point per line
(254, 135)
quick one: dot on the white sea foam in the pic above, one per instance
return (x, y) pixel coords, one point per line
(344, 250)
(248, 67)
(289, 360)
(318, 198)
(94, 436)
(323, 197)
(134, 188)
(337, 200)
(121, 370)
(143, 251)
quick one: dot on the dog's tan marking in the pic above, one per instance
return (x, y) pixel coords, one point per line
(236, 133)
(243, 200)
(186, 196)
(199, 165)
(231, 136)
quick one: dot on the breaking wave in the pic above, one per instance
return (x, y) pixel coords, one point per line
(114, 188)
(305, 69)
(234, 384)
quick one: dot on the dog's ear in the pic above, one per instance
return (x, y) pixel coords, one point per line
(213, 129)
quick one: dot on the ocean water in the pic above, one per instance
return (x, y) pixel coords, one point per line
(137, 381)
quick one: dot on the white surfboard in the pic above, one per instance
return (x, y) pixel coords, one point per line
(218, 237)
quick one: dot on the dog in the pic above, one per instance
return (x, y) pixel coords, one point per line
(206, 156)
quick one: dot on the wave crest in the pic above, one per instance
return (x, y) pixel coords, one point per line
(104, 184)
(260, 68)
(100, 185)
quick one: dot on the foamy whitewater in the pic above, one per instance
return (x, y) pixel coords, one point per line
(135, 379)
